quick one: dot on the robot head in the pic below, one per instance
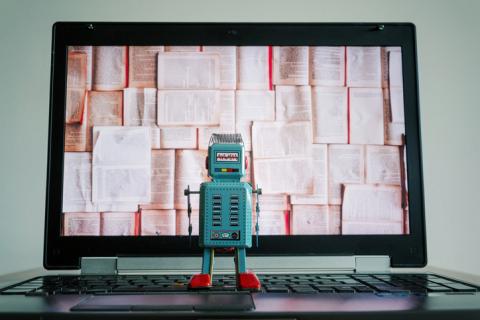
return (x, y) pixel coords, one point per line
(226, 157)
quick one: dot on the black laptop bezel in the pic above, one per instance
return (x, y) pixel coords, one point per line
(65, 252)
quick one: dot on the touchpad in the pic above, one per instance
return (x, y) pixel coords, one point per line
(169, 302)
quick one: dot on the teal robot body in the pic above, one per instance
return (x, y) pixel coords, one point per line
(225, 209)
(225, 202)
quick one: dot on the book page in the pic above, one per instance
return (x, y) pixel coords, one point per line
(307, 199)
(81, 224)
(118, 224)
(327, 66)
(293, 103)
(228, 65)
(87, 50)
(142, 66)
(253, 68)
(395, 69)
(227, 119)
(287, 175)
(109, 68)
(76, 87)
(252, 105)
(273, 202)
(290, 65)
(189, 171)
(162, 180)
(364, 67)
(76, 133)
(77, 182)
(272, 222)
(188, 108)
(140, 107)
(346, 164)
(185, 70)
(104, 109)
(394, 131)
(155, 135)
(121, 165)
(249, 171)
(334, 219)
(182, 223)
(395, 134)
(330, 114)
(320, 181)
(372, 203)
(178, 138)
(355, 227)
(385, 61)
(366, 116)
(158, 222)
(77, 187)
(281, 139)
(396, 105)
(382, 164)
(309, 219)
(183, 48)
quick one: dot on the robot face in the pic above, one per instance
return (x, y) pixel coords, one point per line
(226, 161)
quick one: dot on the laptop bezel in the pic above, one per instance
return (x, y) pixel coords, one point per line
(62, 252)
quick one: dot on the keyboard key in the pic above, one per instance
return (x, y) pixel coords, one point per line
(363, 289)
(277, 289)
(461, 287)
(127, 289)
(344, 289)
(438, 289)
(16, 291)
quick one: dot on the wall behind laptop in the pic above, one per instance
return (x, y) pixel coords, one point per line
(449, 68)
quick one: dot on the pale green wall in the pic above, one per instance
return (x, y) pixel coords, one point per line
(449, 69)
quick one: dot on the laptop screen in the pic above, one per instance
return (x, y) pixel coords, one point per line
(322, 126)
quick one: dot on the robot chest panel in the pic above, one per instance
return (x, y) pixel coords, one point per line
(226, 214)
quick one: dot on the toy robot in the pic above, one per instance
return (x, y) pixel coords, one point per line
(225, 210)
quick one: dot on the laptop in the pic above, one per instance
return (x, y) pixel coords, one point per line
(329, 121)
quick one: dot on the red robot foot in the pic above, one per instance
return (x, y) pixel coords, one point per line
(201, 280)
(248, 281)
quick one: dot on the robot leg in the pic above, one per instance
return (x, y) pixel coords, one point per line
(204, 279)
(246, 280)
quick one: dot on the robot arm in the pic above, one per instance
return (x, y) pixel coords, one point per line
(187, 192)
(257, 192)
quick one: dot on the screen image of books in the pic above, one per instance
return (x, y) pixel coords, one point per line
(330, 119)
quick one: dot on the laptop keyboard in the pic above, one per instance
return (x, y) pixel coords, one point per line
(275, 283)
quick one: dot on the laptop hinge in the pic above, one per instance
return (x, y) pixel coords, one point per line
(114, 265)
(372, 264)
(98, 265)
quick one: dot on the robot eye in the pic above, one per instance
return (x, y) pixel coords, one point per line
(246, 163)
(206, 163)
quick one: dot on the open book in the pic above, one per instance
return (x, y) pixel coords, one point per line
(76, 87)
(158, 222)
(142, 66)
(109, 68)
(372, 209)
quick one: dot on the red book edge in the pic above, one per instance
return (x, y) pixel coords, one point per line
(348, 114)
(127, 65)
(138, 223)
(270, 71)
(286, 217)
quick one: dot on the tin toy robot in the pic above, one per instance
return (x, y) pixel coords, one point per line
(225, 210)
